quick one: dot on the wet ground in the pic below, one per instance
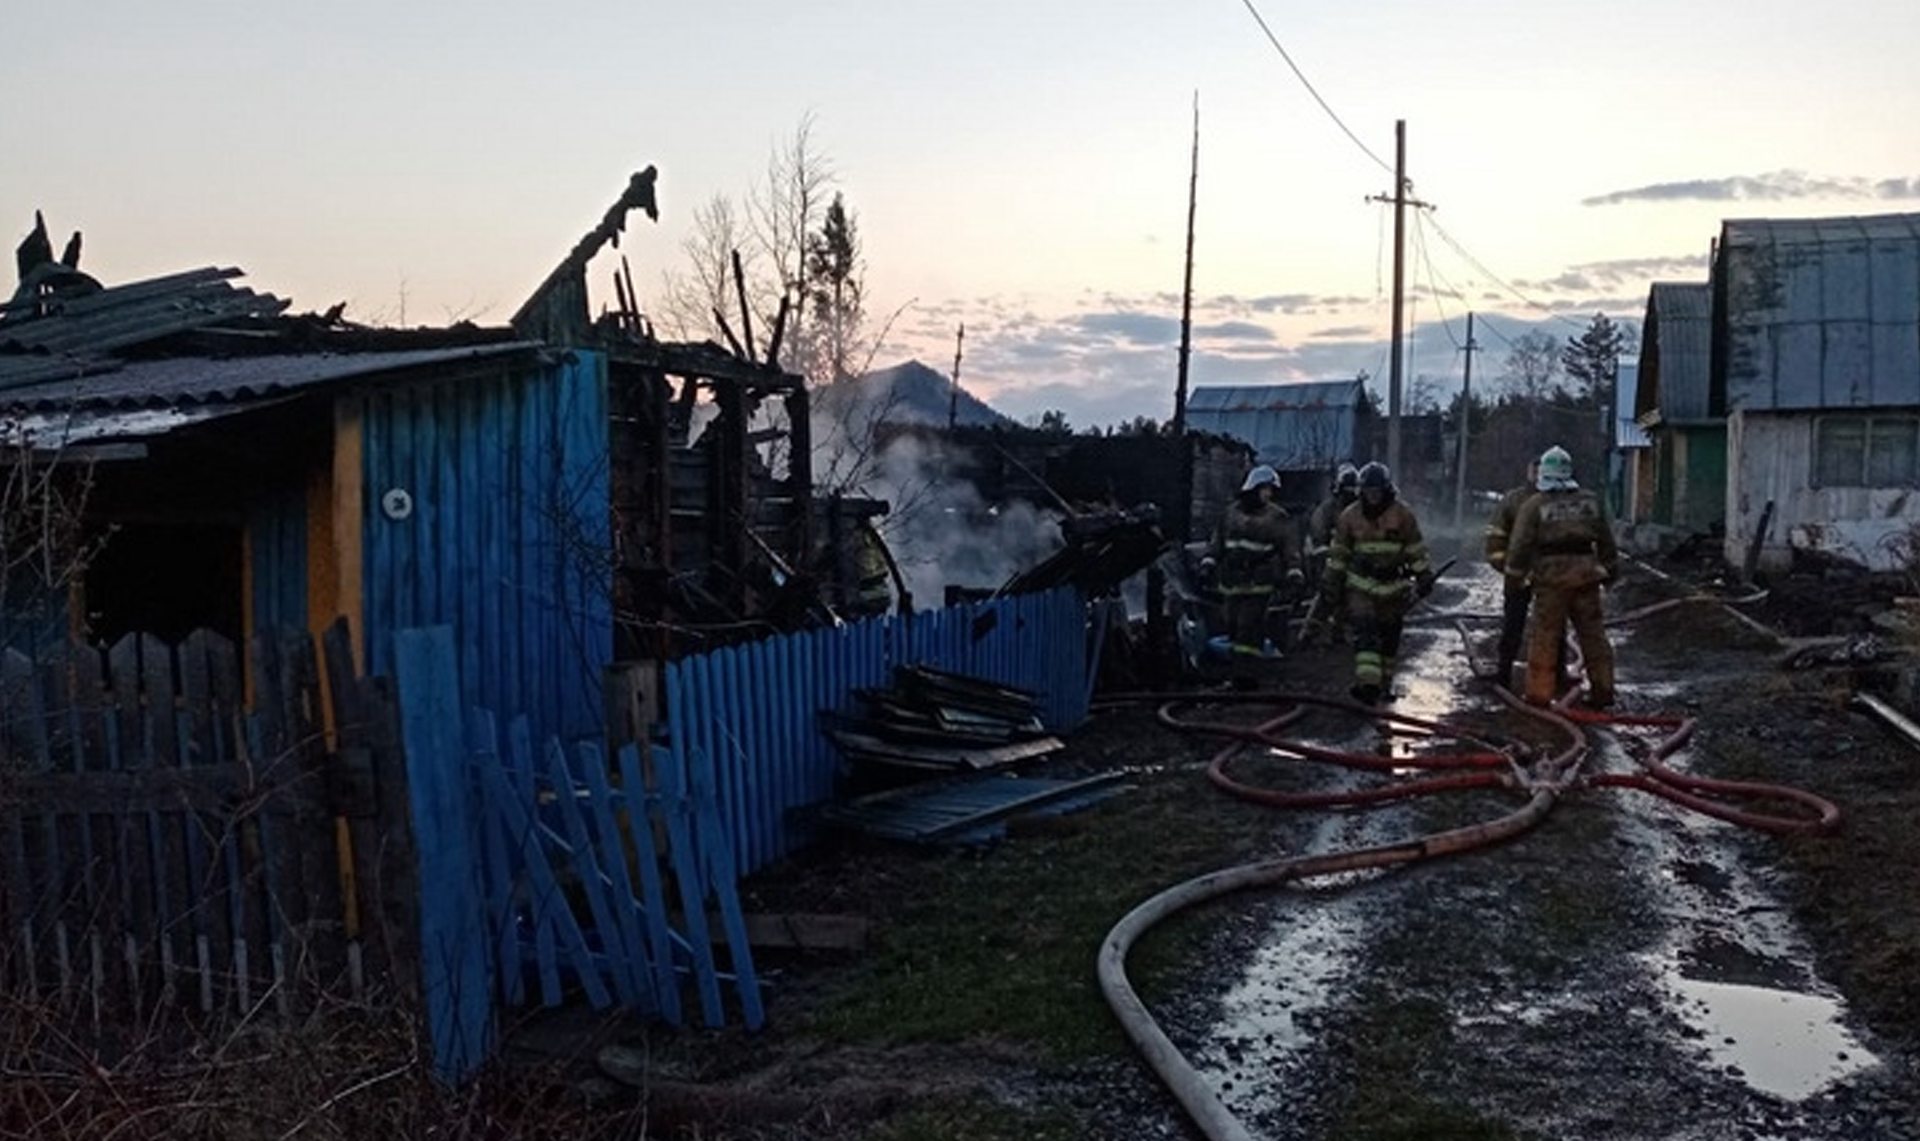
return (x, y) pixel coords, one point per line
(1625, 970)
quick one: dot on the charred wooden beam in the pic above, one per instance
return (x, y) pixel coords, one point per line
(557, 311)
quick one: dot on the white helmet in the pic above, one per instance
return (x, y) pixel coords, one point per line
(1556, 470)
(1262, 476)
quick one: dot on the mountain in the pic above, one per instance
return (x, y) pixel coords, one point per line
(909, 393)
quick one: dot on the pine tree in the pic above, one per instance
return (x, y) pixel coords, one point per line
(835, 283)
(1592, 358)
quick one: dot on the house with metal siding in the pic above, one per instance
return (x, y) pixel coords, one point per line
(1680, 478)
(1816, 365)
(463, 483)
(1303, 429)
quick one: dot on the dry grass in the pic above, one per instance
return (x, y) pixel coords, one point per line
(344, 1072)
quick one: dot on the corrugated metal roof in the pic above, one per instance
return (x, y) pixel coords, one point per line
(1677, 351)
(1626, 386)
(1821, 312)
(180, 381)
(1275, 397)
(60, 335)
(1296, 426)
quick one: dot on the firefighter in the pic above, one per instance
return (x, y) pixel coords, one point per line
(1562, 547)
(1254, 553)
(1346, 488)
(1378, 564)
(1516, 596)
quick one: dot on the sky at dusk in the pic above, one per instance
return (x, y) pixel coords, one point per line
(1019, 166)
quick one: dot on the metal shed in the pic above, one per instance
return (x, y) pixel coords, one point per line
(1816, 363)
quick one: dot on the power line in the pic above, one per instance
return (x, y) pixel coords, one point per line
(1498, 280)
(1308, 84)
(1433, 288)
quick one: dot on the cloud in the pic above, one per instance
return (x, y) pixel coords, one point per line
(1778, 186)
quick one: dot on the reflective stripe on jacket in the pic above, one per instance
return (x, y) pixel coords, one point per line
(1376, 556)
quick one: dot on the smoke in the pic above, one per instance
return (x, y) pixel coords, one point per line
(941, 530)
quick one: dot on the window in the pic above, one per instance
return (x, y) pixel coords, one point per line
(1866, 451)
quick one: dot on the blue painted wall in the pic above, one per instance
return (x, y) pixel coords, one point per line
(277, 547)
(508, 537)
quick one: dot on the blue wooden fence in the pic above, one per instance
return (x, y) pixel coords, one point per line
(552, 872)
(754, 710)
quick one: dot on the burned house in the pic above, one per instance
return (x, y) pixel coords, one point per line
(541, 488)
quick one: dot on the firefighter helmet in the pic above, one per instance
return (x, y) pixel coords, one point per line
(1262, 476)
(1556, 470)
(1375, 477)
(1347, 478)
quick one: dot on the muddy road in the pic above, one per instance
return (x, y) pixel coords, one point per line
(1628, 968)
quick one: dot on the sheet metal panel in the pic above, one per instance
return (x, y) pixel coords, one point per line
(504, 536)
(1822, 313)
(1300, 426)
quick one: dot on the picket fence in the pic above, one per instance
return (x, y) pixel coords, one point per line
(162, 846)
(753, 711)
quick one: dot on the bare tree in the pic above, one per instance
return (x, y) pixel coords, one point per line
(703, 285)
(1533, 361)
(45, 544)
(785, 213)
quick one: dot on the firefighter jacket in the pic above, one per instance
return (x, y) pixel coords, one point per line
(1320, 523)
(1254, 549)
(1500, 528)
(1563, 540)
(1378, 556)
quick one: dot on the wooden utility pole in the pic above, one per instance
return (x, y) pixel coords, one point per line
(1185, 517)
(953, 397)
(1186, 291)
(1466, 418)
(1400, 203)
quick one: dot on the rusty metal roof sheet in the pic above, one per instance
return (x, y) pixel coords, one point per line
(1819, 312)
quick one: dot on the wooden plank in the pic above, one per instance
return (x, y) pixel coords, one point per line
(23, 713)
(456, 979)
(713, 840)
(394, 858)
(676, 805)
(518, 770)
(204, 735)
(570, 941)
(591, 880)
(317, 918)
(640, 824)
(614, 856)
(499, 877)
(350, 792)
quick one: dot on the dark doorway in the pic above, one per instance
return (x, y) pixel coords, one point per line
(167, 581)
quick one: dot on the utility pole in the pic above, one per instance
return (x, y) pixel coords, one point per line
(1186, 290)
(953, 397)
(1180, 440)
(1466, 418)
(1400, 203)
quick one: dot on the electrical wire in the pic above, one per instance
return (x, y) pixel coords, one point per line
(1308, 84)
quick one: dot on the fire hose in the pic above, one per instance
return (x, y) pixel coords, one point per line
(1486, 765)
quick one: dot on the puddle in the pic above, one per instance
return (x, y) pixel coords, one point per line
(1781, 1042)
